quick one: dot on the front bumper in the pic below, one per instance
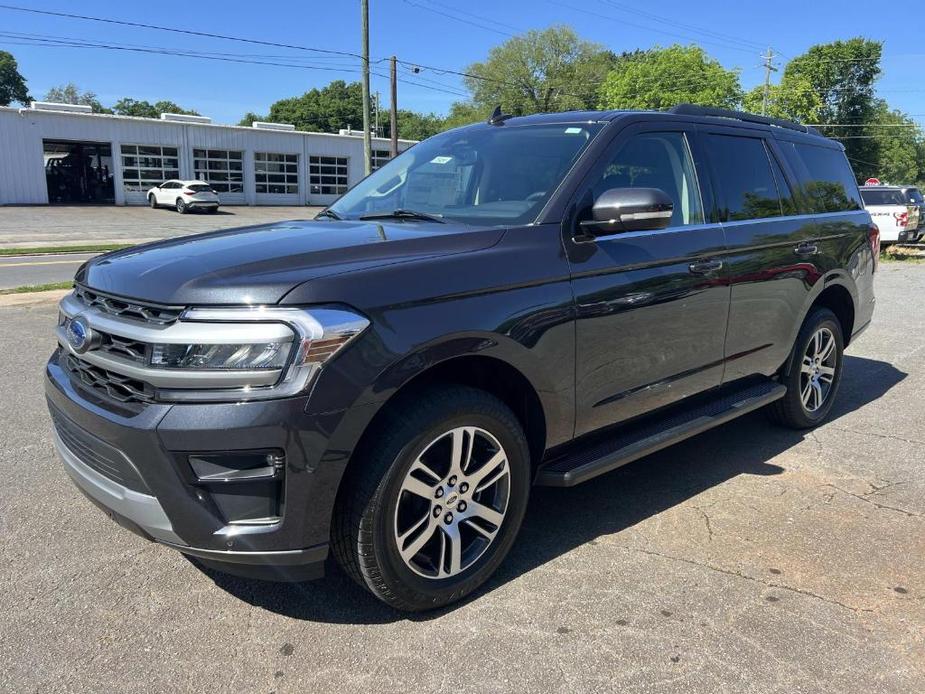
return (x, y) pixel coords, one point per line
(152, 490)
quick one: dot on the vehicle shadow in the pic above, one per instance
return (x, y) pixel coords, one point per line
(559, 520)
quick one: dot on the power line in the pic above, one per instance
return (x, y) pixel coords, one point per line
(190, 32)
(458, 19)
(689, 27)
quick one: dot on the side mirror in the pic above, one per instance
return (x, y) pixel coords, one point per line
(629, 209)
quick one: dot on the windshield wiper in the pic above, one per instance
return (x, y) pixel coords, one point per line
(403, 214)
(328, 213)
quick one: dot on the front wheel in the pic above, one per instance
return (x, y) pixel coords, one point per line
(813, 372)
(152, 201)
(436, 499)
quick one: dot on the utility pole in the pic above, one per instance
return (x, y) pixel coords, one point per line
(367, 141)
(376, 129)
(393, 115)
(768, 68)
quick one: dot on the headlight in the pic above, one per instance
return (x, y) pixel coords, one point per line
(262, 355)
(316, 336)
(211, 354)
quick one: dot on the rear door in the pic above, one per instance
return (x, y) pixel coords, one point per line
(786, 227)
(651, 305)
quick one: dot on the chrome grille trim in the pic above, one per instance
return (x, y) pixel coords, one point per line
(127, 308)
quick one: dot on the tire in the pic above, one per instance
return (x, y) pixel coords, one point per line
(181, 206)
(800, 408)
(376, 514)
(152, 201)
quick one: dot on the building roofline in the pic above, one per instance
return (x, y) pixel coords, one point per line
(156, 121)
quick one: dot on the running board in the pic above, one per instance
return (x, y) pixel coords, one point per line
(637, 440)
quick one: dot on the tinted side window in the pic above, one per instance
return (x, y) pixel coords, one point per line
(656, 160)
(826, 180)
(745, 182)
(787, 204)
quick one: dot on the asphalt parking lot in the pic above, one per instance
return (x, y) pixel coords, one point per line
(63, 225)
(748, 559)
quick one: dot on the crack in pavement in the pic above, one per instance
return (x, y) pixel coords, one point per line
(739, 574)
(885, 507)
(877, 435)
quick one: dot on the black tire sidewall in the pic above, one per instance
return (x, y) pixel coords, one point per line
(820, 318)
(416, 590)
(152, 201)
(181, 207)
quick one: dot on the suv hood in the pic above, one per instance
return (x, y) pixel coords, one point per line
(260, 264)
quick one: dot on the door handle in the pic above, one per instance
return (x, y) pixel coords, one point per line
(806, 249)
(705, 267)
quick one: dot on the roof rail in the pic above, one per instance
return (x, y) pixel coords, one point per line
(692, 110)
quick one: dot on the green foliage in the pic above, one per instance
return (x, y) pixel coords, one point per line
(327, 110)
(413, 125)
(70, 94)
(145, 109)
(794, 98)
(540, 71)
(663, 77)
(842, 75)
(12, 84)
(250, 117)
(899, 149)
(465, 113)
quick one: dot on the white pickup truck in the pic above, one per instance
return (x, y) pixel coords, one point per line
(896, 211)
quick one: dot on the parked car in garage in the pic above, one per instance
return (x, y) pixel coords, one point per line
(184, 196)
(893, 212)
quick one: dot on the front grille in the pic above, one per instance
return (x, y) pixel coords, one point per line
(113, 385)
(127, 308)
(124, 347)
(98, 455)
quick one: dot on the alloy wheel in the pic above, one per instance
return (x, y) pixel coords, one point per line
(817, 370)
(452, 503)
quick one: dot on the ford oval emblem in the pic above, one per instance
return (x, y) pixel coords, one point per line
(79, 334)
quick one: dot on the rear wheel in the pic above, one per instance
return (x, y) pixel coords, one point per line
(813, 372)
(181, 206)
(436, 499)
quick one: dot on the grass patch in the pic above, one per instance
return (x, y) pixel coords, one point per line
(896, 254)
(29, 288)
(47, 250)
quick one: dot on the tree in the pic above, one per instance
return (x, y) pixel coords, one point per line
(794, 99)
(663, 77)
(415, 126)
(464, 113)
(841, 75)
(540, 71)
(145, 109)
(899, 149)
(12, 84)
(250, 117)
(70, 94)
(336, 106)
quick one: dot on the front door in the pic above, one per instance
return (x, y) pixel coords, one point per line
(651, 305)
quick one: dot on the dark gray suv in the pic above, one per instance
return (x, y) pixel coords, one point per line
(527, 301)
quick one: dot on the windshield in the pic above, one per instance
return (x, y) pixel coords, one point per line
(498, 175)
(874, 196)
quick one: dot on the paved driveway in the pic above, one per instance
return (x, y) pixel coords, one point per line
(69, 225)
(748, 559)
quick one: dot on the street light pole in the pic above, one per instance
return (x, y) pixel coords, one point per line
(367, 141)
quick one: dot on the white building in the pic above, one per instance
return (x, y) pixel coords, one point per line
(57, 153)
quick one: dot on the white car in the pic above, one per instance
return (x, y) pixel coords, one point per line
(894, 215)
(184, 196)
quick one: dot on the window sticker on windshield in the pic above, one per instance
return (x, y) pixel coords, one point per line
(440, 160)
(572, 131)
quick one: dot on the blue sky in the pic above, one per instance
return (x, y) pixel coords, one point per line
(418, 31)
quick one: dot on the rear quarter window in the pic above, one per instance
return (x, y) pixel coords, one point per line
(882, 197)
(827, 183)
